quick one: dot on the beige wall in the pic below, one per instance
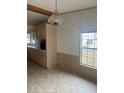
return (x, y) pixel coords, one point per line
(68, 33)
(68, 40)
(71, 63)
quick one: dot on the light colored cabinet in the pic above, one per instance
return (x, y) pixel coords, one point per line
(45, 58)
(41, 31)
(37, 55)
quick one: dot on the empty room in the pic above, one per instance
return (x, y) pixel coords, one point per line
(61, 46)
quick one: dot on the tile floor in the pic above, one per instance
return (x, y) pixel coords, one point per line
(41, 80)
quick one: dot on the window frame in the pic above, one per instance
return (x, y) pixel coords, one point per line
(80, 52)
(31, 36)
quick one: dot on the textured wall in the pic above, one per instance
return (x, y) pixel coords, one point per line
(68, 41)
(71, 63)
(68, 34)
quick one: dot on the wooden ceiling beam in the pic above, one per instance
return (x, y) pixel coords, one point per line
(39, 10)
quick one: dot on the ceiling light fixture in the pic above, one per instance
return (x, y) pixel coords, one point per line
(56, 18)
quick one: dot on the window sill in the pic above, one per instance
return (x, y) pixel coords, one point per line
(85, 65)
(31, 46)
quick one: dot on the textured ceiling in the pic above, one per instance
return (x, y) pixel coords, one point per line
(35, 18)
(64, 5)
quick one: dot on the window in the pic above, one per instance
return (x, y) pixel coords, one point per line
(28, 38)
(88, 49)
(31, 39)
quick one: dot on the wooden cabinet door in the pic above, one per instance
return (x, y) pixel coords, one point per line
(43, 31)
(35, 58)
(40, 60)
(44, 60)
